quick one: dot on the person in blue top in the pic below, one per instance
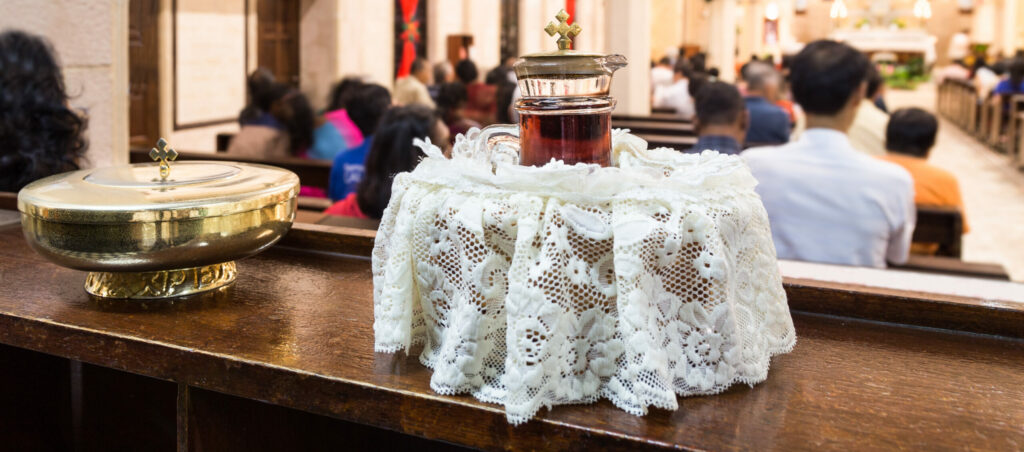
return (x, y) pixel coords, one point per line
(1015, 83)
(769, 123)
(365, 108)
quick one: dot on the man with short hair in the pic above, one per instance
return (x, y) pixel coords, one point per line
(826, 201)
(677, 95)
(909, 137)
(412, 89)
(867, 134)
(769, 123)
(721, 121)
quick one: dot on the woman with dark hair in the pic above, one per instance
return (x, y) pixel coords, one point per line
(365, 107)
(481, 100)
(337, 132)
(259, 86)
(451, 104)
(392, 152)
(39, 134)
(290, 134)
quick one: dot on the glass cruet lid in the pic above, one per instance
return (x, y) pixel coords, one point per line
(566, 72)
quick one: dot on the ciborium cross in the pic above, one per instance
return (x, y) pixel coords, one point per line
(163, 154)
(565, 31)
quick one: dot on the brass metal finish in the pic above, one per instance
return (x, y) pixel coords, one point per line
(142, 235)
(164, 155)
(162, 283)
(563, 29)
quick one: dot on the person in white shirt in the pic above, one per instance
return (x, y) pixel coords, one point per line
(677, 95)
(661, 74)
(867, 134)
(412, 89)
(826, 201)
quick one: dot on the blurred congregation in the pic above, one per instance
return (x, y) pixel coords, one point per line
(338, 90)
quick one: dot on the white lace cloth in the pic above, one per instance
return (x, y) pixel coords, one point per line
(558, 285)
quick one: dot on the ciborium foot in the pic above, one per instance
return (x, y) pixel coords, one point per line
(160, 284)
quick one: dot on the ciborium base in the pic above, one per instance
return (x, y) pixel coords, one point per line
(160, 284)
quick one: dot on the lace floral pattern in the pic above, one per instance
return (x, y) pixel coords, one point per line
(533, 287)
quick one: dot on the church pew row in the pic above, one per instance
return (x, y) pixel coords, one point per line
(958, 101)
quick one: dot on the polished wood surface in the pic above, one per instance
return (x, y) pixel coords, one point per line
(296, 330)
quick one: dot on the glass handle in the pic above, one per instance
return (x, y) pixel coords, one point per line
(498, 143)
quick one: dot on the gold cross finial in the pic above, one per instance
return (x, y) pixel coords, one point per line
(565, 31)
(163, 154)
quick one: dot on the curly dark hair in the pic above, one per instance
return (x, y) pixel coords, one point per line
(39, 134)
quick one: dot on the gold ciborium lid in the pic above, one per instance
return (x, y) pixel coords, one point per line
(134, 224)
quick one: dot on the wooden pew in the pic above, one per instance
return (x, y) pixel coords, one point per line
(639, 127)
(941, 225)
(659, 117)
(1013, 128)
(8, 200)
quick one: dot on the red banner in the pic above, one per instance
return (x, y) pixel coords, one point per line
(410, 36)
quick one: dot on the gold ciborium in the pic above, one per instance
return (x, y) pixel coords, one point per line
(143, 232)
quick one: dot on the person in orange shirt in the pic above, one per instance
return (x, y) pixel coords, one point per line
(909, 138)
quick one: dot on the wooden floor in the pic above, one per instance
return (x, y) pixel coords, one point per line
(993, 192)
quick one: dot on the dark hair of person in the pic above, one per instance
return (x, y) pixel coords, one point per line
(393, 152)
(911, 131)
(366, 106)
(875, 82)
(683, 67)
(665, 61)
(825, 74)
(503, 99)
(713, 72)
(450, 98)
(292, 109)
(39, 134)
(697, 82)
(718, 103)
(441, 72)
(1016, 74)
(260, 92)
(498, 75)
(342, 91)
(699, 62)
(417, 65)
(466, 71)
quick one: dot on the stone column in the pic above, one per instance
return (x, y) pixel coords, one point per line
(722, 45)
(628, 32)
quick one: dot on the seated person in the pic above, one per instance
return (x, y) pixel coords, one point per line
(481, 98)
(392, 152)
(769, 123)
(1014, 84)
(677, 95)
(260, 91)
(443, 73)
(290, 134)
(867, 134)
(39, 134)
(336, 131)
(412, 89)
(365, 107)
(662, 74)
(721, 122)
(451, 104)
(826, 201)
(909, 137)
